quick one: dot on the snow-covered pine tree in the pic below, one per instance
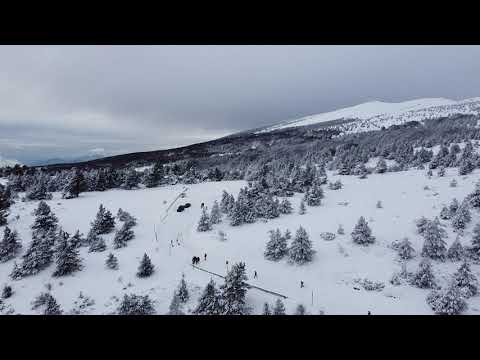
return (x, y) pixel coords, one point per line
(456, 251)
(302, 209)
(10, 245)
(104, 221)
(67, 257)
(7, 292)
(100, 182)
(300, 310)
(453, 207)
(77, 240)
(301, 251)
(38, 256)
(453, 183)
(131, 179)
(227, 203)
(39, 190)
(362, 234)
(381, 166)
(445, 213)
(314, 195)
(76, 184)
(136, 305)
(266, 309)
(146, 268)
(182, 290)
(285, 206)
(96, 242)
(287, 235)
(215, 214)
(447, 302)
(5, 203)
(122, 236)
(462, 216)
(474, 197)
(434, 246)
(277, 246)
(475, 248)
(405, 249)
(45, 220)
(279, 308)
(154, 176)
(125, 217)
(466, 281)
(441, 171)
(424, 277)
(204, 222)
(421, 223)
(175, 307)
(111, 262)
(209, 302)
(234, 290)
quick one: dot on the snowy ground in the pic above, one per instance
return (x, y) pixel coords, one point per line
(330, 277)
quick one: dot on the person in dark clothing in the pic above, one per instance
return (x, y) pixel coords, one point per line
(301, 284)
(202, 205)
(194, 260)
(255, 274)
(205, 257)
(369, 313)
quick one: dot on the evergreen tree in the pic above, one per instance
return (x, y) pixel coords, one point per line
(155, 176)
(77, 240)
(10, 246)
(276, 247)
(285, 207)
(111, 262)
(441, 171)
(5, 203)
(76, 184)
(381, 166)
(300, 310)
(475, 196)
(182, 291)
(96, 242)
(424, 278)
(210, 301)
(301, 250)
(175, 307)
(136, 305)
(453, 207)
(131, 179)
(445, 213)
(146, 267)
(266, 309)
(39, 190)
(45, 220)
(125, 217)
(302, 210)
(104, 221)
(421, 224)
(279, 308)
(204, 223)
(453, 183)
(405, 250)
(101, 183)
(456, 252)
(227, 203)
(466, 281)
(7, 292)
(215, 214)
(434, 246)
(362, 234)
(476, 239)
(462, 216)
(314, 195)
(234, 290)
(67, 257)
(38, 256)
(447, 302)
(122, 236)
(288, 235)
(48, 302)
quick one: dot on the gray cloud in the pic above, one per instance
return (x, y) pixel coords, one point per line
(66, 100)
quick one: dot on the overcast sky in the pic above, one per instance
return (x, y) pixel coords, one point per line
(61, 101)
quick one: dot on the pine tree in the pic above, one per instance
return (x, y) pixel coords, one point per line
(45, 220)
(405, 250)
(182, 291)
(227, 203)
(314, 195)
(38, 256)
(125, 217)
(424, 278)
(175, 307)
(5, 203)
(155, 176)
(234, 290)
(266, 309)
(466, 281)
(302, 210)
(76, 184)
(476, 239)
(210, 301)
(453, 207)
(104, 221)
(146, 267)
(285, 207)
(96, 242)
(434, 246)
(122, 236)
(362, 234)
(77, 240)
(300, 310)
(301, 250)
(475, 196)
(381, 166)
(462, 216)
(279, 308)
(448, 302)
(215, 214)
(10, 246)
(131, 179)
(67, 257)
(101, 183)
(136, 305)
(445, 213)
(453, 183)
(7, 292)
(421, 224)
(441, 171)
(288, 235)
(204, 223)
(277, 246)
(456, 252)
(39, 190)
(111, 262)
(49, 303)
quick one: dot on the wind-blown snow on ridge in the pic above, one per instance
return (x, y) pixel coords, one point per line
(376, 114)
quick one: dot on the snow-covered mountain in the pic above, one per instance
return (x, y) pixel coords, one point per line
(376, 114)
(8, 162)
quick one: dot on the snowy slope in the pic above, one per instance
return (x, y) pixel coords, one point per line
(8, 162)
(374, 115)
(330, 276)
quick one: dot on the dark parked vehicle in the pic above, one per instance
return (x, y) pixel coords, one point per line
(180, 208)
(187, 205)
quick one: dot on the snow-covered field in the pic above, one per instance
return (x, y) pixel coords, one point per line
(329, 279)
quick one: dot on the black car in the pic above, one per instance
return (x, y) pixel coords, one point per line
(187, 205)
(180, 208)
